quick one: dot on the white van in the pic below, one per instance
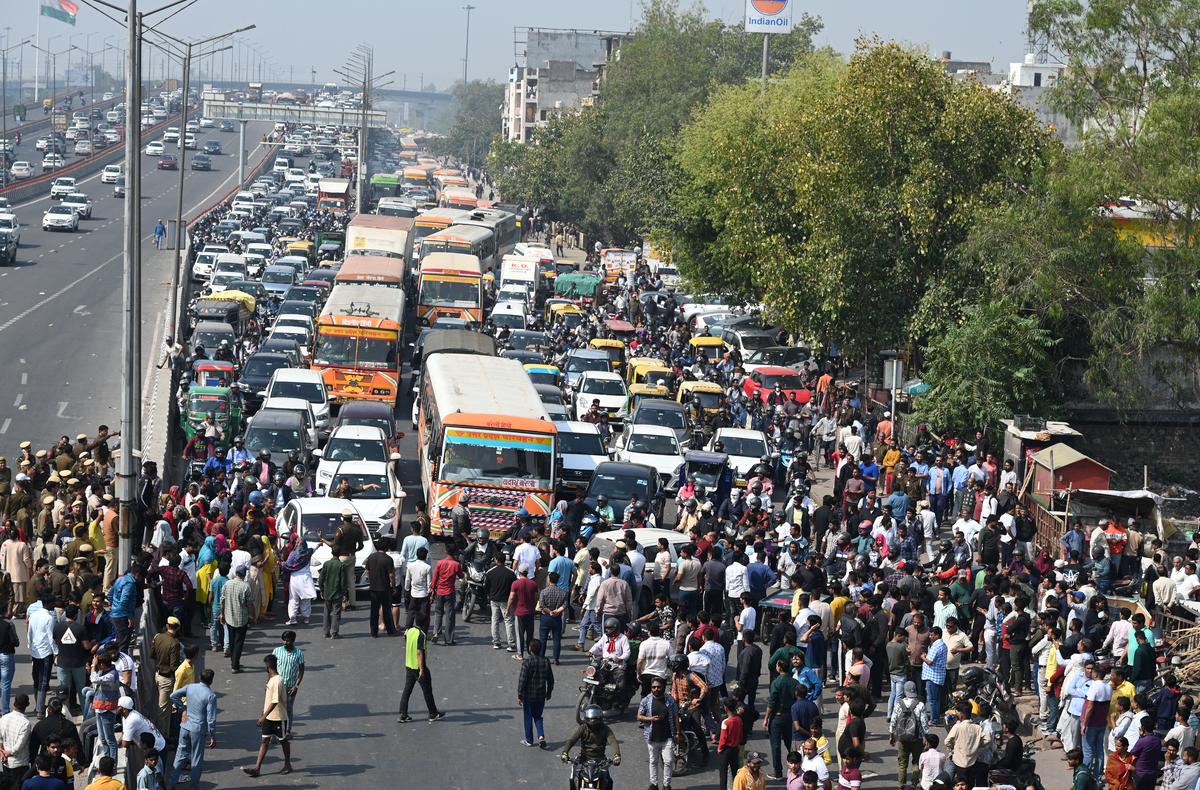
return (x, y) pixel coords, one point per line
(113, 116)
(171, 135)
(282, 163)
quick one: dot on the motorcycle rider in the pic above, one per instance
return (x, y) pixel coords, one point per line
(224, 352)
(480, 552)
(594, 738)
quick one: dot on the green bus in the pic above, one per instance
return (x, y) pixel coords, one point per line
(384, 185)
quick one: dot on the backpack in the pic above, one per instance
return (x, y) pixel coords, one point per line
(908, 726)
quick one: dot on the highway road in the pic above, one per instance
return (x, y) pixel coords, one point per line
(60, 304)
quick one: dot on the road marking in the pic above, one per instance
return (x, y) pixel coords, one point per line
(43, 302)
(80, 311)
(24, 379)
(17, 402)
(62, 407)
(4, 427)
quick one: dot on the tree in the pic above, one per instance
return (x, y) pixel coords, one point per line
(838, 195)
(992, 365)
(473, 120)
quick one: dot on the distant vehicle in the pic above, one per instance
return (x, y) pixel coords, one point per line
(21, 170)
(119, 187)
(110, 174)
(168, 162)
(206, 123)
(60, 217)
(62, 186)
(201, 162)
(83, 148)
(52, 162)
(80, 203)
(154, 148)
(227, 126)
(212, 147)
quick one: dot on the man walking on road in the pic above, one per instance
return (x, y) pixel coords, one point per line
(160, 234)
(235, 614)
(445, 576)
(416, 670)
(198, 728)
(290, 661)
(381, 571)
(273, 721)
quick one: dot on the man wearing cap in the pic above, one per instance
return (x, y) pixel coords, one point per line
(346, 543)
(133, 724)
(751, 776)
(165, 652)
(235, 612)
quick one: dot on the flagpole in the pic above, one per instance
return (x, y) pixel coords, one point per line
(37, 54)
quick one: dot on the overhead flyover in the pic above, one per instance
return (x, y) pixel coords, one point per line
(293, 113)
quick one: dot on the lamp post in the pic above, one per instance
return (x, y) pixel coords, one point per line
(173, 309)
(4, 95)
(53, 56)
(467, 44)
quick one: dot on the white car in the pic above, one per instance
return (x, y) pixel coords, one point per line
(349, 443)
(298, 405)
(221, 280)
(60, 217)
(652, 445)
(302, 383)
(21, 170)
(62, 186)
(83, 148)
(171, 135)
(207, 123)
(154, 148)
(52, 162)
(647, 537)
(110, 174)
(744, 447)
(42, 143)
(189, 140)
(10, 225)
(580, 450)
(80, 203)
(112, 136)
(318, 519)
(606, 387)
(378, 496)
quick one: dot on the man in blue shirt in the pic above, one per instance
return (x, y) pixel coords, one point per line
(933, 673)
(758, 576)
(198, 729)
(124, 597)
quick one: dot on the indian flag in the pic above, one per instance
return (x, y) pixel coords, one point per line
(62, 10)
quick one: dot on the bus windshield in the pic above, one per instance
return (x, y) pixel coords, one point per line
(467, 463)
(449, 293)
(359, 352)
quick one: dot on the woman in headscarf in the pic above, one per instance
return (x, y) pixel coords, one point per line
(206, 566)
(301, 590)
(270, 574)
(162, 534)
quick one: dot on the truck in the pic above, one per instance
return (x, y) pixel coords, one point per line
(333, 194)
(516, 270)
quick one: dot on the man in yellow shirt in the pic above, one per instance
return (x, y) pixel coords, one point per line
(1121, 687)
(751, 776)
(185, 673)
(106, 781)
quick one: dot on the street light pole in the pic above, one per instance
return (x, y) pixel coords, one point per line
(131, 272)
(4, 93)
(467, 45)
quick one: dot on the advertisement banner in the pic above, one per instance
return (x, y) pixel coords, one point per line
(769, 16)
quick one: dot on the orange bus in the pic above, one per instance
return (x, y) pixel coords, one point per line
(450, 285)
(371, 270)
(357, 349)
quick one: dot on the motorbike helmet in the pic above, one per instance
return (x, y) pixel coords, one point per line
(634, 631)
(612, 626)
(483, 535)
(690, 504)
(754, 503)
(719, 446)
(278, 478)
(298, 470)
(593, 716)
(224, 344)
(777, 516)
(601, 499)
(522, 513)
(678, 663)
(946, 545)
(766, 459)
(707, 507)
(756, 487)
(974, 676)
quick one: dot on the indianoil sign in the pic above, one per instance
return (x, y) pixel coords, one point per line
(768, 16)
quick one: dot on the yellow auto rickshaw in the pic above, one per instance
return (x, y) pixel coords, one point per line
(657, 374)
(244, 299)
(642, 392)
(300, 247)
(639, 365)
(550, 306)
(568, 314)
(704, 394)
(619, 329)
(710, 347)
(615, 350)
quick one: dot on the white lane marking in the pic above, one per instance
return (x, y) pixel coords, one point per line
(24, 379)
(62, 408)
(4, 427)
(80, 311)
(43, 302)
(17, 402)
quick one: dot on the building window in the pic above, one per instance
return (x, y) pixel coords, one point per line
(1037, 79)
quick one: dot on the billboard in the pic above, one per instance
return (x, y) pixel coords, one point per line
(769, 16)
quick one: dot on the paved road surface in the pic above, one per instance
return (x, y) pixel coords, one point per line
(61, 301)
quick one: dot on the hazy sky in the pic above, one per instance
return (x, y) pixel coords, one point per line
(427, 37)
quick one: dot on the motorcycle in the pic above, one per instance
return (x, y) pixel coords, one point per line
(473, 595)
(1024, 777)
(590, 774)
(983, 686)
(603, 686)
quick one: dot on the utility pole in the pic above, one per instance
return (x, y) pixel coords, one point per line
(467, 45)
(4, 90)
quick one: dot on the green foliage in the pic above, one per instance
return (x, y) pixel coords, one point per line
(472, 122)
(994, 363)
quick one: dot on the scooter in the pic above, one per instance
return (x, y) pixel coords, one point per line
(474, 592)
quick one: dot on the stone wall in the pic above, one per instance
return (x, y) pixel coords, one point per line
(1164, 442)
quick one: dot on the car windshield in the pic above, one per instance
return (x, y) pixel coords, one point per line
(311, 391)
(359, 484)
(346, 449)
(275, 440)
(653, 443)
(510, 320)
(61, 209)
(376, 422)
(757, 341)
(203, 404)
(262, 367)
(350, 351)
(787, 381)
(318, 526)
(522, 340)
(668, 418)
(497, 463)
(278, 276)
(580, 444)
(745, 446)
(778, 356)
(603, 387)
(449, 293)
(580, 364)
(619, 486)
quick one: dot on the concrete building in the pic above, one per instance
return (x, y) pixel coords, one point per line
(556, 71)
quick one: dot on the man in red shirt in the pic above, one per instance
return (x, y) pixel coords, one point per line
(522, 600)
(442, 584)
